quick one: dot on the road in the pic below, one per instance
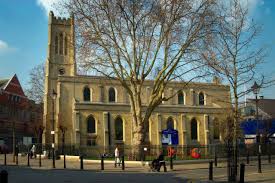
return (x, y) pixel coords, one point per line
(133, 173)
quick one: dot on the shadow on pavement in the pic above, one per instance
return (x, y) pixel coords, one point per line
(39, 175)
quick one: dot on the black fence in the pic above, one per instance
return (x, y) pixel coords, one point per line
(148, 153)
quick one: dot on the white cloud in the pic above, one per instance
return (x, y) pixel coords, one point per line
(3, 45)
(50, 5)
(252, 4)
(5, 48)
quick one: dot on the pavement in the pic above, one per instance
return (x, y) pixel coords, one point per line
(191, 172)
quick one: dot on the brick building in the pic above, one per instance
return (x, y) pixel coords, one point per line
(18, 114)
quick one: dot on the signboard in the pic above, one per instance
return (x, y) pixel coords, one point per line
(170, 137)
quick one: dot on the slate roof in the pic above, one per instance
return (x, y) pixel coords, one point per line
(266, 105)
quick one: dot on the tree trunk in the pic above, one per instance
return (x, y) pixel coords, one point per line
(140, 120)
(138, 135)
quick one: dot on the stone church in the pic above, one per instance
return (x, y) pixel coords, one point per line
(96, 112)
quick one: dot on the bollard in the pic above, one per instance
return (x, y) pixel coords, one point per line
(216, 159)
(211, 170)
(40, 163)
(81, 162)
(5, 159)
(259, 161)
(53, 156)
(171, 162)
(123, 165)
(102, 162)
(242, 169)
(64, 157)
(4, 176)
(247, 158)
(28, 159)
(16, 159)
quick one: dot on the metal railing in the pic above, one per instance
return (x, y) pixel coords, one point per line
(149, 152)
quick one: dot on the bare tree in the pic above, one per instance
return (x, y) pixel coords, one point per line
(233, 55)
(35, 90)
(129, 40)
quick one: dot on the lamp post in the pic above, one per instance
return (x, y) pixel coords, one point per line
(256, 89)
(54, 94)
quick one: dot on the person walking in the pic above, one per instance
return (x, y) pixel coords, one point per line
(117, 161)
(33, 151)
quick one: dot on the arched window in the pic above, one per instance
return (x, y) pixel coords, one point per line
(66, 45)
(56, 45)
(91, 124)
(216, 132)
(194, 129)
(112, 95)
(118, 129)
(170, 123)
(61, 44)
(86, 94)
(180, 98)
(201, 98)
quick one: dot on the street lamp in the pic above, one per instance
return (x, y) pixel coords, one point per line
(256, 89)
(54, 94)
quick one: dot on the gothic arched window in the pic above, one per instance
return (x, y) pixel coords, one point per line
(194, 129)
(216, 133)
(118, 129)
(91, 124)
(86, 94)
(61, 44)
(180, 98)
(170, 123)
(66, 45)
(201, 98)
(112, 95)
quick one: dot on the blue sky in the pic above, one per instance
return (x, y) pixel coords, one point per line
(24, 29)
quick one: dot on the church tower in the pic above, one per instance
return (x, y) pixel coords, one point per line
(60, 62)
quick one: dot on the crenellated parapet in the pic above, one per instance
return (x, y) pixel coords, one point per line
(60, 20)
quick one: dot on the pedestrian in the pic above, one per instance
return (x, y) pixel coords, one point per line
(158, 162)
(33, 151)
(117, 161)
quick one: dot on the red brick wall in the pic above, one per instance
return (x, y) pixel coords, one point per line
(16, 108)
